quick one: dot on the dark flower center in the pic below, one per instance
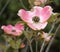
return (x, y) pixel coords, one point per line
(13, 30)
(36, 19)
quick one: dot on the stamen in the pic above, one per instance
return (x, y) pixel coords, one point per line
(36, 19)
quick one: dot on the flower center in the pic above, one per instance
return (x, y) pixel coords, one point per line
(36, 19)
(13, 30)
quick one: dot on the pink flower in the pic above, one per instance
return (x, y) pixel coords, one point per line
(36, 19)
(13, 30)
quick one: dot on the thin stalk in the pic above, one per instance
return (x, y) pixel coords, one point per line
(36, 40)
(47, 50)
(36, 45)
(28, 42)
(31, 48)
(42, 47)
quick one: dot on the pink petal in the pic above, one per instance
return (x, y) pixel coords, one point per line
(16, 33)
(7, 29)
(25, 15)
(45, 13)
(37, 26)
(19, 26)
(37, 10)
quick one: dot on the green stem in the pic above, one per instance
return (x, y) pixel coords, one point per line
(30, 45)
(47, 50)
(36, 40)
(29, 42)
(36, 45)
(42, 47)
(31, 48)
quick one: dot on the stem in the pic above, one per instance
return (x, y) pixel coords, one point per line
(30, 45)
(36, 40)
(52, 39)
(28, 41)
(51, 28)
(36, 45)
(30, 48)
(42, 47)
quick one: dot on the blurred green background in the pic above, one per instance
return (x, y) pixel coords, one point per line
(8, 15)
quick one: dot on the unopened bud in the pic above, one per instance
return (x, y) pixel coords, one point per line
(45, 36)
(22, 45)
(37, 3)
(48, 38)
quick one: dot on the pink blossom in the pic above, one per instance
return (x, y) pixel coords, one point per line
(36, 19)
(13, 30)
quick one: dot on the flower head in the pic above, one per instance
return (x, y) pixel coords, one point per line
(36, 19)
(13, 30)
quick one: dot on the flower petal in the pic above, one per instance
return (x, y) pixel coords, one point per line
(38, 26)
(7, 29)
(45, 13)
(19, 26)
(13, 30)
(25, 15)
(37, 10)
(17, 33)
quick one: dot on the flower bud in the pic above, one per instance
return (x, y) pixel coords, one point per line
(46, 37)
(37, 2)
(22, 45)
